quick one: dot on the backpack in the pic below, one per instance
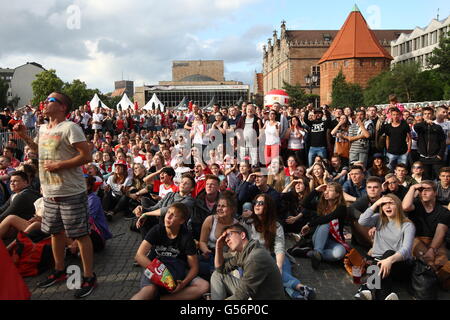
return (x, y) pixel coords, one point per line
(30, 258)
(424, 282)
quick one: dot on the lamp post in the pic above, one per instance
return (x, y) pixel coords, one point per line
(311, 81)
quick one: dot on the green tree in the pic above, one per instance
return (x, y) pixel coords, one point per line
(346, 94)
(378, 89)
(440, 58)
(112, 101)
(3, 92)
(46, 82)
(79, 93)
(297, 96)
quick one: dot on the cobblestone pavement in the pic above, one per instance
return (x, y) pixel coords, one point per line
(119, 280)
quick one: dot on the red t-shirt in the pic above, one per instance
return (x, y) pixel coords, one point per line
(160, 188)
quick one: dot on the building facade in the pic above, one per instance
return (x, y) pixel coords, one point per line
(418, 45)
(21, 81)
(296, 53)
(7, 75)
(356, 52)
(123, 86)
(200, 81)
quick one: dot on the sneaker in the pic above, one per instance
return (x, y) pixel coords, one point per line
(299, 252)
(363, 295)
(294, 294)
(87, 287)
(308, 292)
(316, 258)
(392, 296)
(295, 236)
(109, 215)
(54, 277)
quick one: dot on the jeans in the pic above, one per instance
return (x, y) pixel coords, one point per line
(289, 281)
(394, 159)
(326, 246)
(316, 151)
(223, 285)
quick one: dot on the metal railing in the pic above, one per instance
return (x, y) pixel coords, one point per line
(6, 134)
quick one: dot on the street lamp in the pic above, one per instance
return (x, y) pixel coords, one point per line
(311, 82)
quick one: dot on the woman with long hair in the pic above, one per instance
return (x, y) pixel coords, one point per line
(392, 245)
(318, 175)
(277, 178)
(115, 198)
(292, 201)
(379, 168)
(328, 237)
(296, 140)
(212, 229)
(341, 146)
(263, 227)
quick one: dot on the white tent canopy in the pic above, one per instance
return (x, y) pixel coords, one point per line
(125, 103)
(95, 102)
(154, 100)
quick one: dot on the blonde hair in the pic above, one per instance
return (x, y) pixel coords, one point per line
(399, 218)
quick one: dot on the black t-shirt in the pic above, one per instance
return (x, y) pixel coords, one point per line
(180, 247)
(318, 133)
(397, 137)
(426, 223)
(5, 119)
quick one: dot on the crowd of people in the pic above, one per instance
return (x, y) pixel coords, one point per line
(215, 193)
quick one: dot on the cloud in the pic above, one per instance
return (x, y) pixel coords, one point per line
(139, 38)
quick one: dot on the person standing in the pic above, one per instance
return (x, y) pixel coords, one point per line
(398, 139)
(63, 149)
(431, 144)
(359, 134)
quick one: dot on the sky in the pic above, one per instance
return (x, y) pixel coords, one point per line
(101, 41)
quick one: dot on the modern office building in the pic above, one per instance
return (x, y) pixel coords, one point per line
(418, 45)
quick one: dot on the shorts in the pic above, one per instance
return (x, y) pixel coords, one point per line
(68, 214)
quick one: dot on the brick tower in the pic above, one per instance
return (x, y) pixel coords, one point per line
(356, 51)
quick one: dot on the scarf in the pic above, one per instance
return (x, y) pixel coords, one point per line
(334, 230)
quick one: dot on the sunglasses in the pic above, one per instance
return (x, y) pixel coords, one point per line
(259, 203)
(52, 99)
(417, 167)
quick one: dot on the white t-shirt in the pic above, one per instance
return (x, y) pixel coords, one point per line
(97, 117)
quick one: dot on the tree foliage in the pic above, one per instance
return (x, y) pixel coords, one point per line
(297, 96)
(346, 94)
(407, 82)
(3, 92)
(45, 83)
(78, 92)
(440, 58)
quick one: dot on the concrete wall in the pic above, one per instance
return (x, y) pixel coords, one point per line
(21, 82)
(210, 68)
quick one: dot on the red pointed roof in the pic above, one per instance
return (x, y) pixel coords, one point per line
(355, 40)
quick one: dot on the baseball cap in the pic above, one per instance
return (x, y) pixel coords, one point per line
(378, 156)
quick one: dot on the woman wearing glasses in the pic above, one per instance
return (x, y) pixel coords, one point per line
(212, 228)
(264, 228)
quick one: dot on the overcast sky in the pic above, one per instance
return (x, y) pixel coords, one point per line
(98, 40)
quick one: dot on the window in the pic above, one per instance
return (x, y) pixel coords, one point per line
(346, 63)
(335, 65)
(434, 37)
(424, 41)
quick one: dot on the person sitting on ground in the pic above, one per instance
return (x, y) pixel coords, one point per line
(171, 243)
(264, 228)
(205, 205)
(391, 184)
(401, 172)
(277, 178)
(443, 190)
(212, 228)
(417, 172)
(137, 190)
(379, 168)
(159, 188)
(20, 203)
(8, 152)
(360, 234)
(392, 245)
(255, 184)
(115, 199)
(99, 230)
(292, 200)
(338, 170)
(432, 222)
(331, 212)
(150, 215)
(261, 278)
(355, 187)
(318, 175)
